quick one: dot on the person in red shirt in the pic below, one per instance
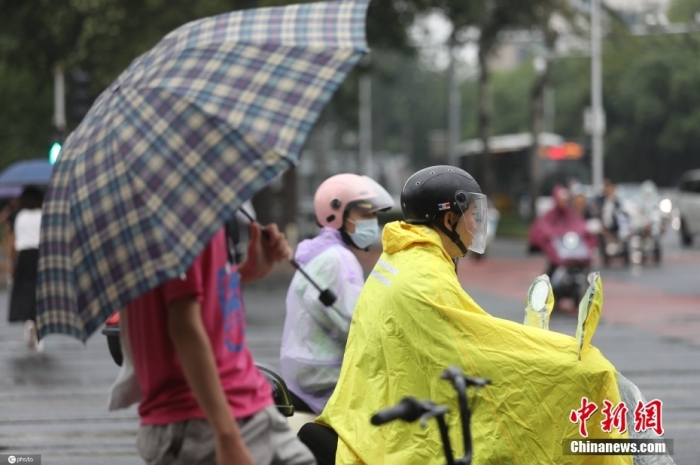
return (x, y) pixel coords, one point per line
(203, 401)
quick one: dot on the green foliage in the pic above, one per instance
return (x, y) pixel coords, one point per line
(653, 103)
(651, 84)
(511, 225)
(102, 37)
(651, 93)
(25, 118)
(571, 80)
(511, 99)
(511, 102)
(682, 11)
(408, 102)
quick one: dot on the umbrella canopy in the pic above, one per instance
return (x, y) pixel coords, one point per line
(192, 129)
(26, 172)
(8, 192)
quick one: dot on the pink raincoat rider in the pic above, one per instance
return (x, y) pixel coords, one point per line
(313, 342)
(557, 222)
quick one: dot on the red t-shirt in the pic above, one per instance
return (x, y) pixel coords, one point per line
(167, 397)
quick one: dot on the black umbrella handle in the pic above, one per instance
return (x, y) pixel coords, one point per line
(327, 297)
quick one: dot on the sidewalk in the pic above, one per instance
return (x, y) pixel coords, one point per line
(55, 403)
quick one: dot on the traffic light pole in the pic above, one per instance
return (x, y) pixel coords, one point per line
(59, 100)
(59, 114)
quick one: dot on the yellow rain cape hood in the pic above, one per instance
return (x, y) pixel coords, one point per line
(412, 320)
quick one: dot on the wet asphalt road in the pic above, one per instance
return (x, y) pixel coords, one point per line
(54, 404)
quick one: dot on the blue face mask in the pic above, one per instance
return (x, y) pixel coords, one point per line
(366, 231)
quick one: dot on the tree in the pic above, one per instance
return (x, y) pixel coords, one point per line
(653, 108)
(103, 36)
(682, 11)
(491, 17)
(544, 19)
(652, 102)
(496, 17)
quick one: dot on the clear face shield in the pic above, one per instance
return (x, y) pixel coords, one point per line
(475, 210)
(373, 196)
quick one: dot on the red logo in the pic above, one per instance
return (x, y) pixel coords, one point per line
(648, 417)
(616, 417)
(581, 415)
(645, 416)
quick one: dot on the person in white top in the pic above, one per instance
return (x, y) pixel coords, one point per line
(26, 253)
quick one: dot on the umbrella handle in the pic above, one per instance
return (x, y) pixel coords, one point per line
(327, 297)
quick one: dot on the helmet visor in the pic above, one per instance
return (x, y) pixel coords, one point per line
(474, 208)
(371, 197)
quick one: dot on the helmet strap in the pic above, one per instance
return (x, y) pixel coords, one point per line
(453, 235)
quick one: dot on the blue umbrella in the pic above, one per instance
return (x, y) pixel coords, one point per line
(26, 172)
(167, 154)
(9, 192)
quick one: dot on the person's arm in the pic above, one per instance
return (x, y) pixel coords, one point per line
(263, 252)
(12, 251)
(16, 224)
(192, 345)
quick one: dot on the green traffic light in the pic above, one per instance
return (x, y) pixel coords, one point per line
(54, 152)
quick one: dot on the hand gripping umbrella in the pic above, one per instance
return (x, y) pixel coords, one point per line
(326, 296)
(167, 154)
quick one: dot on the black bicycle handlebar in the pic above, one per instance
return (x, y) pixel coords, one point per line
(458, 379)
(409, 409)
(461, 382)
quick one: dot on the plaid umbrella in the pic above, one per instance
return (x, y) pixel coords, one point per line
(176, 144)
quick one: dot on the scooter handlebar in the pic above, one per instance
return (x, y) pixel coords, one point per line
(409, 409)
(458, 378)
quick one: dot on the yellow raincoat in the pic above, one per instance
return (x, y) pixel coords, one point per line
(412, 320)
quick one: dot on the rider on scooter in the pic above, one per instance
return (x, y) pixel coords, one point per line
(313, 343)
(413, 319)
(561, 219)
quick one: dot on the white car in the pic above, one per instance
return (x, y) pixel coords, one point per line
(688, 204)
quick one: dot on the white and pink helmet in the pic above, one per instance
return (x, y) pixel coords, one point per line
(341, 191)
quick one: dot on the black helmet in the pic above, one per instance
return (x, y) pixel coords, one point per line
(432, 190)
(442, 189)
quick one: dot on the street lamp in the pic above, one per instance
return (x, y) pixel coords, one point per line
(598, 128)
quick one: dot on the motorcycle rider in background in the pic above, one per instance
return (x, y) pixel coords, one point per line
(579, 202)
(558, 221)
(610, 207)
(314, 337)
(615, 223)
